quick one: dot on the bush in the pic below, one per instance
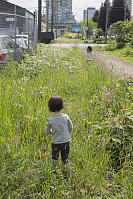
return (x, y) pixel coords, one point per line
(128, 51)
(98, 48)
(110, 47)
(120, 45)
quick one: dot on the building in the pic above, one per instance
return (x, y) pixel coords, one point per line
(91, 12)
(14, 18)
(59, 14)
(129, 3)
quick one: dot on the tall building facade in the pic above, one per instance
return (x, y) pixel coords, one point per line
(91, 12)
(59, 12)
(129, 3)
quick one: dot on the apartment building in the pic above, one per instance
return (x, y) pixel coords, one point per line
(129, 3)
(59, 13)
(91, 12)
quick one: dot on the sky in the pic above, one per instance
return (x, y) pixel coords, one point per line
(78, 5)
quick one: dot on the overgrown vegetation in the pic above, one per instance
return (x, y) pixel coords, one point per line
(118, 11)
(100, 107)
(121, 44)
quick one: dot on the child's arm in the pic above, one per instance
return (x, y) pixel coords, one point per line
(70, 125)
(48, 128)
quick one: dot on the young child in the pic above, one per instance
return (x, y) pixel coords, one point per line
(59, 125)
(89, 53)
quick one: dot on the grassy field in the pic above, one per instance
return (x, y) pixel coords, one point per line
(66, 40)
(100, 107)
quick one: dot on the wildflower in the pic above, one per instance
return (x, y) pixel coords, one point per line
(14, 83)
(21, 89)
(18, 105)
(117, 85)
(124, 110)
(130, 88)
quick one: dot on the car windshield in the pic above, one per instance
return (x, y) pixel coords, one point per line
(19, 41)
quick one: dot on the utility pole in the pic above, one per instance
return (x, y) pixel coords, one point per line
(52, 17)
(56, 18)
(87, 23)
(107, 16)
(125, 9)
(15, 24)
(39, 19)
(47, 14)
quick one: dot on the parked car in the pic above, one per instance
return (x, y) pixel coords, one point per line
(22, 44)
(25, 37)
(9, 50)
(98, 39)
(22, 40)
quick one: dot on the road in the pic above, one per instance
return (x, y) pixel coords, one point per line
(76, 44)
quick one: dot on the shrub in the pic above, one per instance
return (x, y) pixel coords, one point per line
(110, 47)
(98, 48)
(127, 51)
(120, 45)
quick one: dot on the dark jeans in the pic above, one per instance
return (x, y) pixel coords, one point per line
(64, 148)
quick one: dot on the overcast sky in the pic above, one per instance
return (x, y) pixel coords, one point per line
(78, 5)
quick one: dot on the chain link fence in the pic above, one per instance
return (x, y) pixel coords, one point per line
(19, 24)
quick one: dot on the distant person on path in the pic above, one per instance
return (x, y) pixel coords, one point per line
(89, 53)
(60, 126)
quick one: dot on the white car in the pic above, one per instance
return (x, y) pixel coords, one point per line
(22, 44)
(9, 50)
(23, 39)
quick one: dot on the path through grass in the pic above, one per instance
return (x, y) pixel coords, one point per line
(100, 107)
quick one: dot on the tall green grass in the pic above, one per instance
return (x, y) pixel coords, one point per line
(100, 107)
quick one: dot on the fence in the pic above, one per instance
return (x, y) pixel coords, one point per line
(19, 23)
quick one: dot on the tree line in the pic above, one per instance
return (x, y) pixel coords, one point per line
(110, 14)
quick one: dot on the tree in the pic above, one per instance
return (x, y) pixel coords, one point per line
(99, 33)
(124, 31)
(119, 11)
(103, 17)
(91, 26)
(96, 16)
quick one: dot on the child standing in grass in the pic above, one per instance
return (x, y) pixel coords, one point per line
(59, 125)
(89, 53)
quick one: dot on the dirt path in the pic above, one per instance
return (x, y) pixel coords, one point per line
(117, 65)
